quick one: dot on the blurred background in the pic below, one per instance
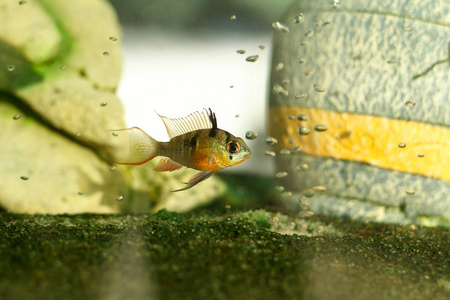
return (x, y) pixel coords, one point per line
(181, 56)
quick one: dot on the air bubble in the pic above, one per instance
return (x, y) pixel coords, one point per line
(299, 18)
(279, 66)
(106, 53)
(115, 134)
(296, 149)
(391, 62)
(280, 90)
(112, 169)
(240, 51)
(335, 4)
(319, 88)
(420, 155)
(10, 68)
(320, 128)
(285, 152)
(302, 117)
(309, 73)
(401, 145)
(269, 153)
(302, 167)
(63, 68)
(262, 47)
(407, 28)
(291, 117)
(302, 130)
(281, 174)
(104, 103)
(301, 96)
(327, 25)
(271, 141)
(279, 188)
(113, 38)
(280, 27)
(233, 17)
(410, 192)
(78, 134)
(119, 198)
(80, 193)
(410, 103)
(252, 58)
(17, 117)
(22, 2)
(285, 81)
(319, 188)
(304, 43)
(24, 177)
(251, 135)
(309, 33)
(301, 60)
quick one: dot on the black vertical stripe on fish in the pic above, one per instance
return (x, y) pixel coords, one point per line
(193, 141)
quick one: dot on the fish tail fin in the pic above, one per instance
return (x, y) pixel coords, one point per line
(138, 148)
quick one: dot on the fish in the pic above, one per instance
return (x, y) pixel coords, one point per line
(195, 142)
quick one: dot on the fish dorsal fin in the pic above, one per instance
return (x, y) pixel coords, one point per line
(205, 119)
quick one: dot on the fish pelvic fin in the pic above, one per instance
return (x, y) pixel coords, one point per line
(166, 164)
(197, 178)
(139, 147)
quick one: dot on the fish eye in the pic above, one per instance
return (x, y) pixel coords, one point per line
(233, 147)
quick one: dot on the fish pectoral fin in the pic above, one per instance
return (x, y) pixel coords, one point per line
(166, 164)
(197, 178)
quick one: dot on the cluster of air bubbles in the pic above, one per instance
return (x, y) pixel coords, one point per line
(271, 141)
(10, 68)
(252, 58)
(301, 96)
(251, 135)
(280, 90)
(113, 38)
(106, 53)
(240, 51)
(303, 130)
(299, 18)
(280, 27)
(320, 128)
(17, 117)
(335, 4)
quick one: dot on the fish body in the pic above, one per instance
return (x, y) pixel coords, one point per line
(195, 142)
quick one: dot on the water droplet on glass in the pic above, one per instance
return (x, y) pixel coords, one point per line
(302, 130)
(302, 117)
(279, 66)
(240, 51)
(401, 145)
(63, 68)
(251, 135)
(281, 174)
(233, 17)
(301, 96)
(104, 103)
(280, 27)
(301, 60)
(271, 141)
(80, 193)
(420, 155)
(299, 18)
(285, 152)
(280, 90)
(410, 192)
(252, 58)
(335, 4)
(24, 177)
(115, 134)
(309, 73)
(17, 117)
(112, 169)
(113, 38)
(119, 198)
(10, 68)
(105, 53)
(309, 33)
(410, 103)
(262, 47)
(303, 43)
(320, 128)
(407, 28)
(269, 153)
(319, 88)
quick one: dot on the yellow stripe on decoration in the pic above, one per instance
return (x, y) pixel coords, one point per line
(400, 145)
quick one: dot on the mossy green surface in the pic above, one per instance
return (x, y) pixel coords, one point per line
(217, 255)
